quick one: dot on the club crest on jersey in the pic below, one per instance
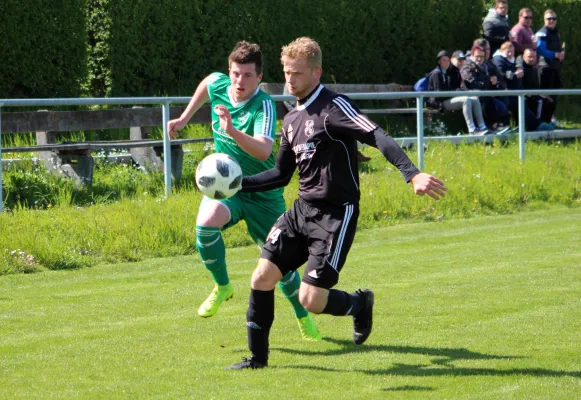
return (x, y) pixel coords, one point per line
(309, 127)
(243, 118)
(289, 133)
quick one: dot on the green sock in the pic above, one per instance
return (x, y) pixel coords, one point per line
(289, 284)
(213, 253)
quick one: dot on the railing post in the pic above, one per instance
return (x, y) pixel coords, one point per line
(166, 149)
(420, 115)
(1, 165)
(521, 127)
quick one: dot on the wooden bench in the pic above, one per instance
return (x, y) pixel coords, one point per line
(75, 161)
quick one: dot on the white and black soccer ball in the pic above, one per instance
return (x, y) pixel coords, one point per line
(219, 176)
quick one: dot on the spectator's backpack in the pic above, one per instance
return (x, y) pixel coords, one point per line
(422, 84)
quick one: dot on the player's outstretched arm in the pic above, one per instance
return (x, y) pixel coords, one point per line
(276, 177)
(198, 99)
(428, 184)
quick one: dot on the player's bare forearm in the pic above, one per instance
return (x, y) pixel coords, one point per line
(198, 99)
(258, 147)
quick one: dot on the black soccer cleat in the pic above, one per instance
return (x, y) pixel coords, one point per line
(249, 363)
(363, 321)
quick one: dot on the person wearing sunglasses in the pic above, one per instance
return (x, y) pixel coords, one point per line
(551, 56)
(523, 36)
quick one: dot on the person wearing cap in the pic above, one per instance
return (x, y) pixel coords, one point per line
(523, 36)
(445, 78)
(458, 59)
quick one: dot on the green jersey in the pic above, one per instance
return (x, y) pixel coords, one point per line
(255, 117)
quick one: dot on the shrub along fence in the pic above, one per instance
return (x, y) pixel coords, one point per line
(156, 48)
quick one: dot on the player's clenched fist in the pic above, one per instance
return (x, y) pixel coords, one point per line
(174, 126)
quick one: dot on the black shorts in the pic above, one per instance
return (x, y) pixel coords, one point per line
(319, 236)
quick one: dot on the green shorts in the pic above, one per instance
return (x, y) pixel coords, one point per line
(259, 210)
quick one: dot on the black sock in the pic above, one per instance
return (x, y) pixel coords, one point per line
(259, 318)
(342, 303)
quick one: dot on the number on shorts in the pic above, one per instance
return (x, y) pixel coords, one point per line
(273, 235)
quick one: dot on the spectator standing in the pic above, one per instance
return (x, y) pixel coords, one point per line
(551, 55)
(445, 78)
(523, 36)
(495, 27)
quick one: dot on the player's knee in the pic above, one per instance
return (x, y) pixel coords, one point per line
(213, 214)
(265, 276)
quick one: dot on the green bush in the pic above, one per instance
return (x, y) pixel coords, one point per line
(164, 47)
(43, 48)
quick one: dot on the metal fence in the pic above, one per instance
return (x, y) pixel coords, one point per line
(165, 102)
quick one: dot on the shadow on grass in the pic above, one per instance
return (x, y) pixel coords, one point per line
(408, 388)
(443, 357)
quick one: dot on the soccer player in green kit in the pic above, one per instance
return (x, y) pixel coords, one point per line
(243, 126)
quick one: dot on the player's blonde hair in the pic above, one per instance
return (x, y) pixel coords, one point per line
(303, 48)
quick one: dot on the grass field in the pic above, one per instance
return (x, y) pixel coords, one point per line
(486, 308)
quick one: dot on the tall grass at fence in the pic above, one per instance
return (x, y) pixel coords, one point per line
(124, 216)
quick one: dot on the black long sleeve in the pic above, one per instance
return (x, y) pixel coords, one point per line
(393, 153)
(276, 177)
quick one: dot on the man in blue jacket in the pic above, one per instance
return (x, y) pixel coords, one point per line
(551, 55)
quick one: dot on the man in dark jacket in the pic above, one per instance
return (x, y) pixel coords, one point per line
(495, 27)
(506, 64)
(551, 54)
(543, 107)
(446, 78)
(476, 76)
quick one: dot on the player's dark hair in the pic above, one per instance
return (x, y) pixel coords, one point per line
(246, 53)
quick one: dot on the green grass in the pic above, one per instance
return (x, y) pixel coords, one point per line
(124, 217)
(485, 308)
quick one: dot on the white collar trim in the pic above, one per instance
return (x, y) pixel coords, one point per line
(309, 101)
(234, 102)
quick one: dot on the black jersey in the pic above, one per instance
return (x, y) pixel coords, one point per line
(319, 136)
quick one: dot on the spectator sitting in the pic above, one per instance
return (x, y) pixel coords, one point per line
(495, 26)
(445, 78)
(542, 106)
(475, 76)
(506, 64)
(499, 83)
(523, 36)
(458, 59)
(551, 54)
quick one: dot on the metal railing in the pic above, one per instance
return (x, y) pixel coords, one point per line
(166, 101)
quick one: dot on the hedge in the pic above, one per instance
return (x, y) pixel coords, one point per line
(42, 48)
(164, 47)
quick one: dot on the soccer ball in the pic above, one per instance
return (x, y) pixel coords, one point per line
(219, 176)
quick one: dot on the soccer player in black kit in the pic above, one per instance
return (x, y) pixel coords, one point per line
(319, 136)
